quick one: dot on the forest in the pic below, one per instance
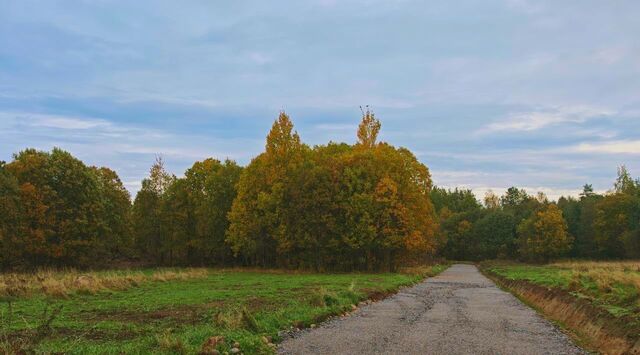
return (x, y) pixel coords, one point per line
(335, 207)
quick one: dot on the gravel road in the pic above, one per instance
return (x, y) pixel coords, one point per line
(457, 312)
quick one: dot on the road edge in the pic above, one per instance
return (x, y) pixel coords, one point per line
(285, 334)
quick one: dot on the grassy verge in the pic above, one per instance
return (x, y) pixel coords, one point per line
(598, 301)
(179, 314)
(614, 287)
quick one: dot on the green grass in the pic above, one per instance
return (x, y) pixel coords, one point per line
(606, 285)
(177, 316)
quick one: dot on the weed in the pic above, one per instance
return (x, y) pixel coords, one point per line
(33, 335)
(235, 318)
(248, 321)
(168, 342)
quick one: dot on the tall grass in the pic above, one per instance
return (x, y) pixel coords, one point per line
(605, 274)
(627, 266)
(67, 282)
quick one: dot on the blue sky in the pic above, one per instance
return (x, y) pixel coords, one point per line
(539, 94)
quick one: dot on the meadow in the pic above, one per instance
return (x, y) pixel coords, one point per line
(176, 311)
(614, 286)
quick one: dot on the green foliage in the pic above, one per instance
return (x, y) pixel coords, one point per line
(11, 217)
(116, 201)
(597, 226)
(457, 230)
(183, 220)
(617, 225)
(147, 212)
(518, 203)
(614, 231)
(495, 236)
(456, 200)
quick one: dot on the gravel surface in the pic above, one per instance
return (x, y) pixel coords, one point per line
(457, 312)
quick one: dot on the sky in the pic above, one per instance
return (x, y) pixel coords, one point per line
(543, 95)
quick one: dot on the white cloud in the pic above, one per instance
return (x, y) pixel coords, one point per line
(552, 193)
(53, 121)
(535, 120)
(180, 152)
(610, 147)
(167, 99)
(260, 58)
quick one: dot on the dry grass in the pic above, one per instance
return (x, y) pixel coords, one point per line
(604, 273)
(170, 343)
(626, 266)
(63, 283)
(236, 318)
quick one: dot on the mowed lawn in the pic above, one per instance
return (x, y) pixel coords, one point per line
(614, 286)
(179, 315)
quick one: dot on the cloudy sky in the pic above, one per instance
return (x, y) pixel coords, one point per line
(540, 94)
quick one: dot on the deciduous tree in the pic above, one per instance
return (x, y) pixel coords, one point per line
(544, 234)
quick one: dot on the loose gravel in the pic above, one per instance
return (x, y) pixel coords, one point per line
(457, 312)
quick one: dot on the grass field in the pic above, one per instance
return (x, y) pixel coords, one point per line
(614, 286)
(175, 311)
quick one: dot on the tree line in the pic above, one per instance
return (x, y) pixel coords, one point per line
(337, 206)
(517, 225)
(365, 206)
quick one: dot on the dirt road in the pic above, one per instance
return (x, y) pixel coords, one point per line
(457, 312)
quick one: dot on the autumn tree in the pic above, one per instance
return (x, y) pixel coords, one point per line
(491, 200)
(336, 206)
(368, 129)
(64, 208)
(544, 234)
(362, 171)
(262, 218)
